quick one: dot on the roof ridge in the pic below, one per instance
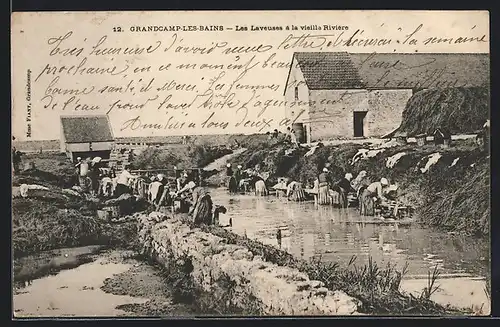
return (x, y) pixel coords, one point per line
(83, 116)
(323, 70)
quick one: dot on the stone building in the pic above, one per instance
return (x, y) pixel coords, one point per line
(86, 136)
(340, 95)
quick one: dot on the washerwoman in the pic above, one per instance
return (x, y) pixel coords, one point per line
(201, 208)
(324, 187)
(374, 192)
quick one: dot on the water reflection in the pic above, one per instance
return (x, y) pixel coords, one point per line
(309, 231)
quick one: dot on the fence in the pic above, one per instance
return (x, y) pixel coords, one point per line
(196, 173)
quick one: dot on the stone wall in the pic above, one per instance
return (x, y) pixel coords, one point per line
(332, 112)
(231, 273)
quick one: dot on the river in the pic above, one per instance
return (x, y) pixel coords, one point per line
(323, 232)
(113, 284)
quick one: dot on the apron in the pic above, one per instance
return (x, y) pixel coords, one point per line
(366, 203)
(260, 188)
(323, 194)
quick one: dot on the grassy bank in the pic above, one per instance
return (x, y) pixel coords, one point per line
(40, 225)
(452, 196)
(183, 157)
(53, 221)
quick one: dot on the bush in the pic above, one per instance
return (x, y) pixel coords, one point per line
(40, 225)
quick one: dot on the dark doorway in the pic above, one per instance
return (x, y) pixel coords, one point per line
(359, 120)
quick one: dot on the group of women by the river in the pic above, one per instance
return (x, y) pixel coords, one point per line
(185, 189)
(342, 193)
(182, 192)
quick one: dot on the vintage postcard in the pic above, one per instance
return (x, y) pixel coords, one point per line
(265, 163)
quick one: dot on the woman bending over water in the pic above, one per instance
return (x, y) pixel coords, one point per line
(374, 192)
(343, 187)
(201, 206)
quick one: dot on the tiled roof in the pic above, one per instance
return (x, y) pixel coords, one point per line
(83, 129)
(329, 70)
(342, 70)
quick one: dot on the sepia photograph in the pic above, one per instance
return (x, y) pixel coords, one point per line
(241, 164)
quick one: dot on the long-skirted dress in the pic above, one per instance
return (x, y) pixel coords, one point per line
(366, 203)
(323, 190)
(202, 204)
(260, 188)
(335, 197)
(296, 192)
(366, 200)
(232, 185)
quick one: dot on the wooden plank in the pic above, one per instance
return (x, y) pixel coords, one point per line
(403, 222)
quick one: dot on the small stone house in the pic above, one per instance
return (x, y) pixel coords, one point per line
(341, 95)
(86, 136)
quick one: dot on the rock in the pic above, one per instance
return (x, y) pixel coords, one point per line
(316, 284)
(303, 286)
(156, 216)
(26, 189)
(276, 289)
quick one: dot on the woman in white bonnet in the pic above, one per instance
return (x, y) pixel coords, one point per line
(374, 192)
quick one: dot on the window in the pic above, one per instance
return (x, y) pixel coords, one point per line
(296, 93)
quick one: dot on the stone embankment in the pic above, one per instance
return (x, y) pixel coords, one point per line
(232, 274)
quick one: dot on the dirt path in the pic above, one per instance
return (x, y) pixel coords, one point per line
(220, 163)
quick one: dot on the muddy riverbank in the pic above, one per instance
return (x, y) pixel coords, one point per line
(115, 283)
(123, 284)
